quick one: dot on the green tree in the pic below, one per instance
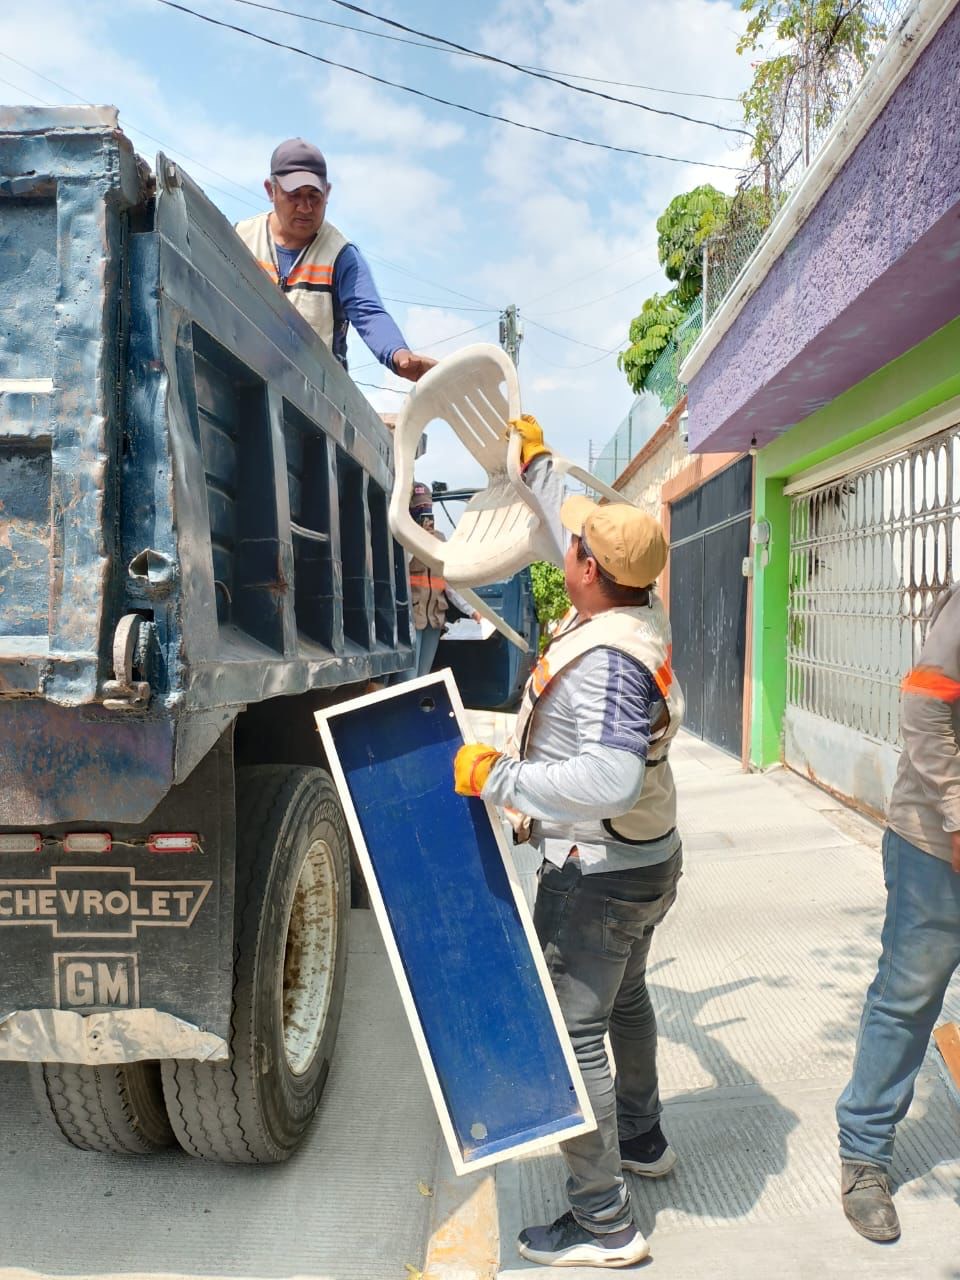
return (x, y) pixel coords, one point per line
(549, 595)
(688, 220)
(820, 50)
(650, 332)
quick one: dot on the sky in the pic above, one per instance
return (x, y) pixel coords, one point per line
(458, 216)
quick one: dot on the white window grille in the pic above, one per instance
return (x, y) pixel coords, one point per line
(869, 554)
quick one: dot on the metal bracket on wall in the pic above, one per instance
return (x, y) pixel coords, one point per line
(123, 693)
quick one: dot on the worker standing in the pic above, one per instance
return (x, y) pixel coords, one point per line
(320, 271)
(921, 932)
(588, 776)
(430, 596)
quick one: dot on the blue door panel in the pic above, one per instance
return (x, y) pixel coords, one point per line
(457, 928)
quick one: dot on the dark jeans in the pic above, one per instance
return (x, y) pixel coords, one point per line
(595, 932)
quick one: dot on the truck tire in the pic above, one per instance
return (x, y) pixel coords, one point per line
(115, 1108)
(290, 953)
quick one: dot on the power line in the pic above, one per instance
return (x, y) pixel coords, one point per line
(566, 337)
(375, 386)
(231, 195)
(426, 346)
(445, 102)
(602, 298)
(506, 62)
(459, 53)
(135, 129)
(436, 306)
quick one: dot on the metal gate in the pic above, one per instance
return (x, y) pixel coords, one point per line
(709, 538)
(869, 554)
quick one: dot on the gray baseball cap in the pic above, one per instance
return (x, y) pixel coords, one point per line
(296, 163)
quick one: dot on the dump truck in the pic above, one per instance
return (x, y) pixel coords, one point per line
(194, 558)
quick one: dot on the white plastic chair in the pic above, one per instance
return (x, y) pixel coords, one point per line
(504, 527)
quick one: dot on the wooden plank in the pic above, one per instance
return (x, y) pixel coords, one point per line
(475, 988)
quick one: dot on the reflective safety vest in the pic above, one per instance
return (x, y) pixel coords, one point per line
(309, 286)
(427, 588)
(643, 633)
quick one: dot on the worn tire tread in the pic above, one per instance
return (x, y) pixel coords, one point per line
(92, 1107)
(205, 1100)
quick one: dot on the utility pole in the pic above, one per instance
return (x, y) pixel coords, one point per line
(511, 332)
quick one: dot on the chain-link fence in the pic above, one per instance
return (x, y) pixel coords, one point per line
(663, 379)
(804, 88)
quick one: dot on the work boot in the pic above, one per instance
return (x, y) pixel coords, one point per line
(565, 1243)
(649, 1154)
(865, 1196)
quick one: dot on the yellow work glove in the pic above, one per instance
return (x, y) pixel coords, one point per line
(471, 768)
(532, 432)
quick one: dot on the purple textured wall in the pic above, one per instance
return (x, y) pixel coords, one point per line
(874, 270)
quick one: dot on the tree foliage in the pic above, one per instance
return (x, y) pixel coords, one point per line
(683, 227)
(819, 50)
(650, 332)
(549, 595)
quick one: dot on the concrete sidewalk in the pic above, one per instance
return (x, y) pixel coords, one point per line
(758, 977)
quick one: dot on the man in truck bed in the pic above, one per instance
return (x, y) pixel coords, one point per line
(322, 274)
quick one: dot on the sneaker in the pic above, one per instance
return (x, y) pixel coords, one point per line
(650, 1154)
(865, 1196)
(565, 1243)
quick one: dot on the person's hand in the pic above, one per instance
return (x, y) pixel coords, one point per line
(471, 768)
(955, 841)
(531, 432)
(475, 616)
(407, 364)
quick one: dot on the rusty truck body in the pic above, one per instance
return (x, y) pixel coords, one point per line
(194, 556)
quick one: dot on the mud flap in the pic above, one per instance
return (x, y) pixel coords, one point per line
(476, 991)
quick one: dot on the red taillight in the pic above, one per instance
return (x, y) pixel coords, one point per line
(172, 842)
(20, 842)
(87, 842)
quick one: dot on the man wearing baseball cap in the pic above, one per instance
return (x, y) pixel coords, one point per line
(587, 776)
(322, 274)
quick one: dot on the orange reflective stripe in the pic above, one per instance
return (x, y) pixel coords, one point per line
(425, 580)
(541, 676)
(268, 267)
(930, 682)
(311, 275)
(664, 674)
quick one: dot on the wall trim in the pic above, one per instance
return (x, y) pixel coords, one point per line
(899, 438)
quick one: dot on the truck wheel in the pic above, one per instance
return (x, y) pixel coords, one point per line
(110, 1108)
(290, 949)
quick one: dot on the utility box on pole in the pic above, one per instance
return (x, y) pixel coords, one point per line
(511, 332)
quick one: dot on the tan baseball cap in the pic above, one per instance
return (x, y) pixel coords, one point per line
(627, 543)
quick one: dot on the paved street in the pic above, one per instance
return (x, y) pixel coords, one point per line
(758, 977)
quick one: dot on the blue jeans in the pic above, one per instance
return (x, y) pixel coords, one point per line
(425, 645)
(595, 932)
(920, 953)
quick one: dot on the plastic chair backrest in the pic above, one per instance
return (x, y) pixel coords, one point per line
(503, 527)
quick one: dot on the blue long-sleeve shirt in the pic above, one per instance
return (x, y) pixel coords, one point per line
(355, 302)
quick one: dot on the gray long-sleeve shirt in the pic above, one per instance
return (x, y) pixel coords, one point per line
(925, 802)
(585, 761)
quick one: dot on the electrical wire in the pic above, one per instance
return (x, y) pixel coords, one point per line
(394, 266)
(375, 386)
(438, 343)
(438, 306)
(134, 129)
(566, 337)
(444, 102)
(505, 62)
(428, 44)
(602, 297)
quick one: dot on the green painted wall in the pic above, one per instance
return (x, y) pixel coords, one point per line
(922, 378)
